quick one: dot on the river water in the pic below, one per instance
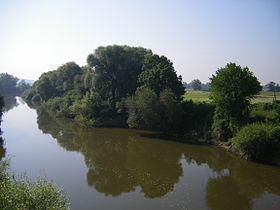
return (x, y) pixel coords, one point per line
(130, 169)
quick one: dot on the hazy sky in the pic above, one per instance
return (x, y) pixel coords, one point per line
(198, 36)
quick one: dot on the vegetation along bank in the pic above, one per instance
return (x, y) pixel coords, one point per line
(124, 86)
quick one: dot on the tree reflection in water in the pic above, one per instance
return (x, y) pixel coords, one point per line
(10, 102)
(119, 160)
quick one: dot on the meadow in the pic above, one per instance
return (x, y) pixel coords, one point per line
(203, 96)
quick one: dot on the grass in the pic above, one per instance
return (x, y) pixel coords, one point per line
(203, 96)
(197, 95)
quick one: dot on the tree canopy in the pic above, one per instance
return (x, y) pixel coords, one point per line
(96, 93)
(115, 71)
(232, 88)
(158, 74)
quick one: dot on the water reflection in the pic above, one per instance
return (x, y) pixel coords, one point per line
(2, 149)
(237, 183)
(119, 160)
(10, 102)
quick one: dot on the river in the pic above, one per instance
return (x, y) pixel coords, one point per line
(130, 169)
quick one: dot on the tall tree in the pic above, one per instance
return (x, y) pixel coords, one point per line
(232, 88)
(159, 74)
(115, 71)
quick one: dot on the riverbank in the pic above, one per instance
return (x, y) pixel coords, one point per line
(225, 146)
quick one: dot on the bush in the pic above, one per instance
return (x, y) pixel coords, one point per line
(259, 141)
(21, 194)
(266, 112)
(198, 118)
(143, 110)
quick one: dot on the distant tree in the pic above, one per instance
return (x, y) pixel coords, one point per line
(22, 86)
(271, 86)
(8, 84)
(196, 84)
(205, 86)
(277, 88)
(232, 88)
(159, 74)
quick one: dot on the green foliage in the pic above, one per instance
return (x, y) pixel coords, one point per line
(159, 74)
(115, 71)
(198, 118)
(9, 85)
(167, 114)
(171, 113)
(91, 108)
(265, 112)
(143, 109)
(259, 141)
(232, 88)
(55, 83)
(22, 194)
(95, 94)
(22, 86)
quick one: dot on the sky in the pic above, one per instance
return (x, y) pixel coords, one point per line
(198, 36)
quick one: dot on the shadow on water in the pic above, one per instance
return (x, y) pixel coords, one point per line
(119, 160)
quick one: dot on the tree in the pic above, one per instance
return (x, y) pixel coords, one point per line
(196, 84)
(143, 109)
(147, 110)
(271, 86)
(22, 86)
(8, 84)
(115, 70)
(159, 74)
(232, 88)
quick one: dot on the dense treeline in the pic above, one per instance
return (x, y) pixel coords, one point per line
(124, 86)
(11, 85)
(120, 86)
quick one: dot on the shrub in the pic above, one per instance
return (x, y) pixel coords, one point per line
(21, 194)
(259, 141)
(198, 118)
(143, 109)
(266, 112)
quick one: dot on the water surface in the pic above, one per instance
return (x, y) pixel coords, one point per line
(127, 169)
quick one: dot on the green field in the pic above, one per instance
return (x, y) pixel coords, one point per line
(197, 95)
(203, 96)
